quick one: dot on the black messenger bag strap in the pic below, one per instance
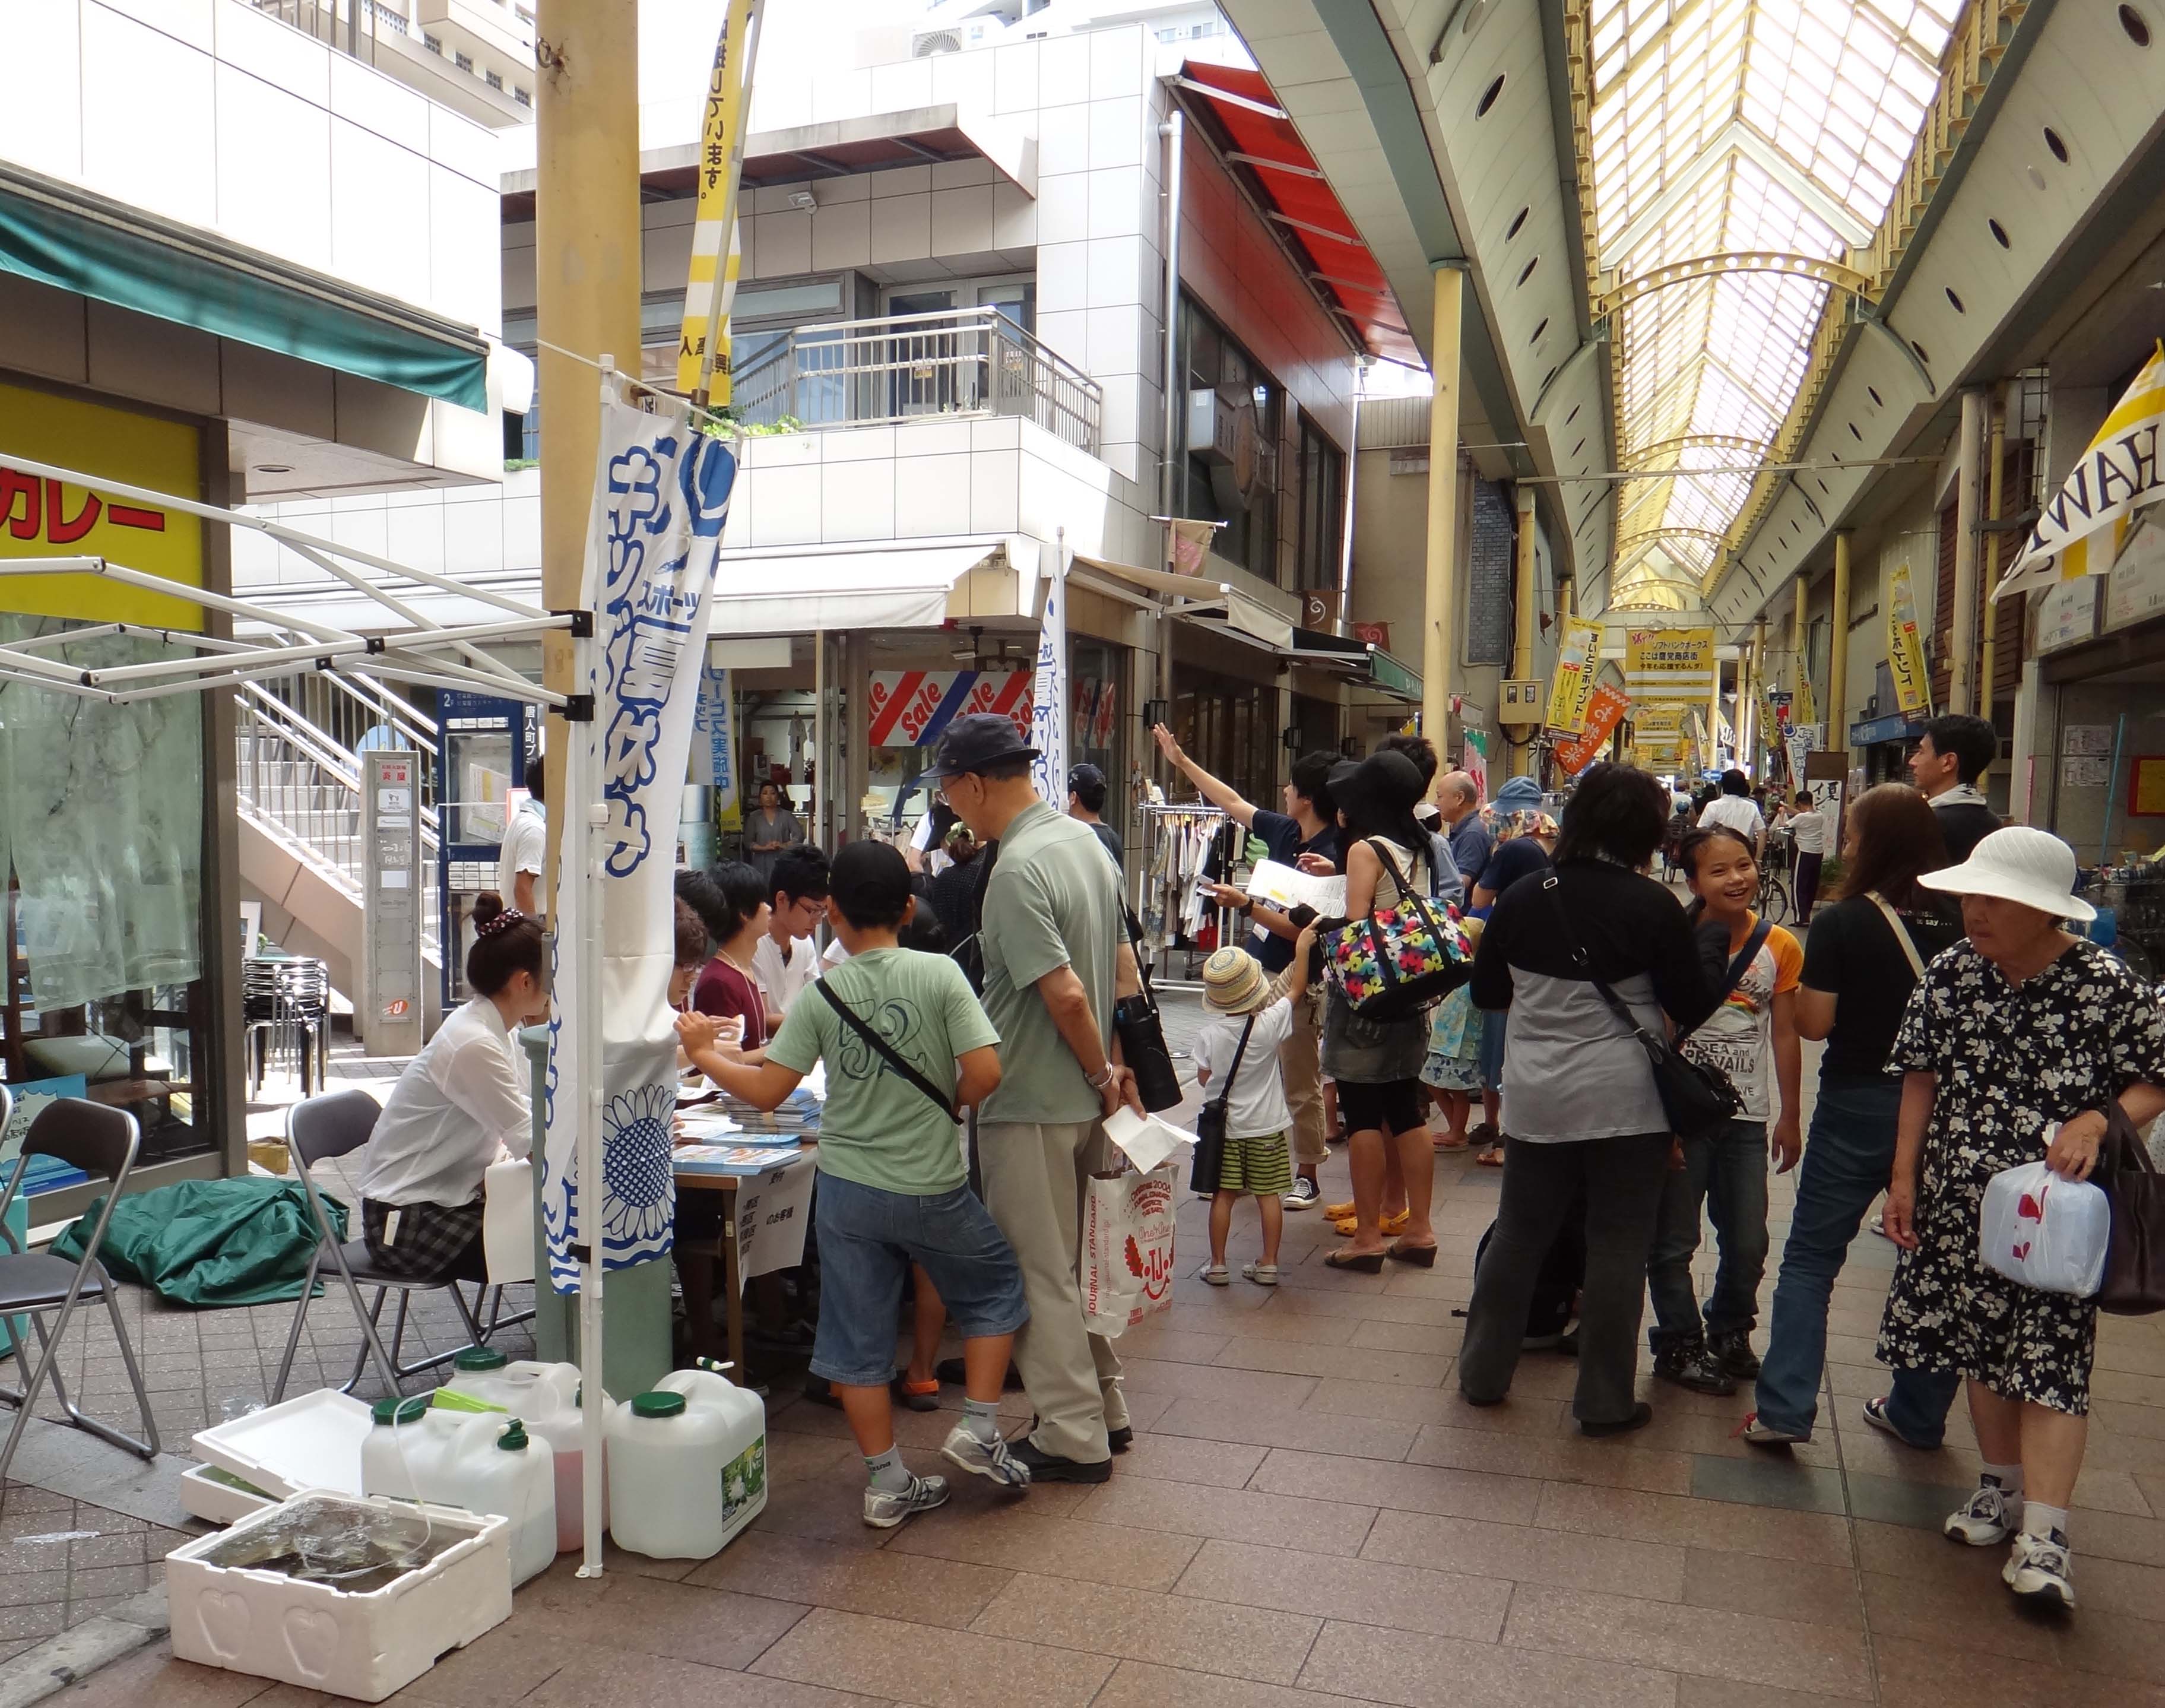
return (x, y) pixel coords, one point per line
(893, 1057)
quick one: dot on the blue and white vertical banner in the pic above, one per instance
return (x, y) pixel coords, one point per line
(714, 742)
(661, 495)
(1048, 692)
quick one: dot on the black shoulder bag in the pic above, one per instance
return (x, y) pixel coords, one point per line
(1695, 1098)
(893, 1057)
(1210, 1124)
(1141, 1030)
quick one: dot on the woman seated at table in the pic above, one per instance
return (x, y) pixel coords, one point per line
(460, 1105)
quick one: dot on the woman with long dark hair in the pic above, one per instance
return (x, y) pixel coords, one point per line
(460, 1104)
(1377, 1064)
(1581, 1121)
(1862, 957)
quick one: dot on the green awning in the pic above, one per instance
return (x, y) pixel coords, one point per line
(75, 240)
(1386, 673)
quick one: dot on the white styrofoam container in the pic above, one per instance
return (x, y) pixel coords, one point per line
(214, 1500)
(312, 1440)
(319, 1637)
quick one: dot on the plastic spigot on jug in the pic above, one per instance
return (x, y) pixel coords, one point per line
(547, 1397)
(482, 1461)
(687, 1466)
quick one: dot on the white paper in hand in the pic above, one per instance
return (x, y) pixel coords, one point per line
(1147, 1141)
(1286, 886)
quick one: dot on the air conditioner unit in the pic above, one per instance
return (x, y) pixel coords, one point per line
(935, 41)
(1212, 431)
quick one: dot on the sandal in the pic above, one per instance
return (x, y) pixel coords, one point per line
(1420, 1257)
(1448, 1143)
(1217, 1274)
(1493, 1157)
(1394, 1225)
(1262, 1274)
(1362, 1262)
(918, 1396)
(1338, 1212)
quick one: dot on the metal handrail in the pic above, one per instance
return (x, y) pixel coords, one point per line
(901, 367)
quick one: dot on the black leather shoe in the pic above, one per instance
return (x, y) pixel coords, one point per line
(1051, 1468)
(1119, 1440)
(1688, 1364)
(1732, 1351)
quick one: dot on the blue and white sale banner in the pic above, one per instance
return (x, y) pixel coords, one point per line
(1048, 698)
(713, 743)
(661, 495)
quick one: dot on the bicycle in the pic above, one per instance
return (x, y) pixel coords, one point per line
(1775, 902)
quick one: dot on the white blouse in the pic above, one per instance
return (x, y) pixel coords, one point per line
(459, 1103)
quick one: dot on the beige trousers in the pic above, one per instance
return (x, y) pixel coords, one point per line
(1300, 1065)
(1036, 1178)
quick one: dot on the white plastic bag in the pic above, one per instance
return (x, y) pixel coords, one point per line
(2045, 1232)
(1126, 1268)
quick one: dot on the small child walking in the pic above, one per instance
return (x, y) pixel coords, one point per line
(1258, 1161)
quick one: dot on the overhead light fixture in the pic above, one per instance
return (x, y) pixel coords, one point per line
(274, 468)
(803, 201)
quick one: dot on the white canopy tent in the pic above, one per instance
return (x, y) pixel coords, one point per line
(427, 654)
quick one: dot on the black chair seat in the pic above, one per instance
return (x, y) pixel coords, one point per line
(361, 1264)
(36, 1282)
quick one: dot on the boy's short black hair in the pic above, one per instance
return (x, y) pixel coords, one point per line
(1804, 798)
(1311, 781)
(869, 885)
(1970, 739)
(800, 872)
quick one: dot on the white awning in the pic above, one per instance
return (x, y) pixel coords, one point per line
(1213, 604)
(775, 593)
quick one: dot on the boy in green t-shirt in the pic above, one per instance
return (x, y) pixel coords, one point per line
(894, 1189)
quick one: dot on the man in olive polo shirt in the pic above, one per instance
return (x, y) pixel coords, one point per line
(1055, 962)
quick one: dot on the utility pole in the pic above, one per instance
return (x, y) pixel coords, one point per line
(1439, 602)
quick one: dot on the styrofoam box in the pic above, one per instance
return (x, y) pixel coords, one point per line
(322, 1638)
(217, 1497)
(312, 1440)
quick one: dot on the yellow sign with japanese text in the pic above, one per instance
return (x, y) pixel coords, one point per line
(42, 518)
(1805, 710)
(1905, 649)
(1579, 657)
(1668, 663)
(714, 241)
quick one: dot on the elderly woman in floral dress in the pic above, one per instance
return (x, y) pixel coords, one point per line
(2016, 1028)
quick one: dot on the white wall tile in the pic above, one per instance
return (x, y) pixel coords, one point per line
(154, 150)
(377, 190)
(1123, 417)
(1116, 133)
(840, 446)
(416, 536)
(1014, 77)
(857, 501)
(785, 243)
(522, 524)
(259, 44)
(931, 439)
(962, 220)
(901, 181)
(465, 278)
(902, 228)
(1116, 271)
(854, 187)
(779, 101)
(374, 101)
(1119, 202)
(994, 478)
(666, 257)
(1065, 332)
(789, 506)
(369, 530)
(953, 175)
(1014, 216)
(1115, 341)
(1063, 70)
(41, 119)
(184, 20)
(519, 277)
(1063, 140)
(842, 236)
(1063, 280)
(1116, 63)
(473, 539)
(900, 88)
(966, 79)
(1063, 208)
(999, 433)
(931, 496)
(470, 150)
(840, 94)
(275, 199)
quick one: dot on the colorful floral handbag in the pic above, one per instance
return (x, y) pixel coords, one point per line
(1399, 960)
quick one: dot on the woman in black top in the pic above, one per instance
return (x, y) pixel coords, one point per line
(1862, 960)
(1581, 1121)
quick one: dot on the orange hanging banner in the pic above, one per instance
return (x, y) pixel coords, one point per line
(1604, 713)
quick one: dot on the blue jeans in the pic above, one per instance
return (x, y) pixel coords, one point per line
(1727, 1173)
(1847, 1164)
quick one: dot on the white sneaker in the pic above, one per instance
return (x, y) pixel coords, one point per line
(1992, 1516)
(982, 1458)
(1762, 1433)
(1305, 1194)
(885, 1508)
(2037, 1568)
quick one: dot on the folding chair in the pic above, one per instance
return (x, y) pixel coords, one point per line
(319, 1129)
(98, 1140)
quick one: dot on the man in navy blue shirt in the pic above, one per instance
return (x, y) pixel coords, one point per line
(1307, 825)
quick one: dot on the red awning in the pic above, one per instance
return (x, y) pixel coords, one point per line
(1307, 210)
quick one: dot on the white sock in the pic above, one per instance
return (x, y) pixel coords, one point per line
(2007, 1478)
(2049, 1522)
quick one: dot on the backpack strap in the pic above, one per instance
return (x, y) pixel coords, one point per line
(893, 1057)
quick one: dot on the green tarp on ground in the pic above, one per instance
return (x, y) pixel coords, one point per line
(210, 1242)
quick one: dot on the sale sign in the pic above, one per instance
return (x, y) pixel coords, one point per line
(909, 707)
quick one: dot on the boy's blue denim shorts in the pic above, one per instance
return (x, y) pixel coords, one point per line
(868, 1239)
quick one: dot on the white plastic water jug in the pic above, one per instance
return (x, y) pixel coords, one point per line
(546, 1397)
(687, 1466)
(477, 1460)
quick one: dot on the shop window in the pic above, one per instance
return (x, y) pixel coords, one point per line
(1229, 430)
(1322, 508)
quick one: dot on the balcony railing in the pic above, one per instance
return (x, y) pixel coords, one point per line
(965, 361)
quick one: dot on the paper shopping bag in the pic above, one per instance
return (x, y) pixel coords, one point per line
(1127, 1247)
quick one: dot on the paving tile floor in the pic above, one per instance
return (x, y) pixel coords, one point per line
(1309, 1516)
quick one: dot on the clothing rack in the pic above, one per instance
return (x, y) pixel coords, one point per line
(1184, 840)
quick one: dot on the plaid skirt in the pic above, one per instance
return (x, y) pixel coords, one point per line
(436, 1242)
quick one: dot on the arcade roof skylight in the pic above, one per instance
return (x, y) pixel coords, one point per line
(1721, 126)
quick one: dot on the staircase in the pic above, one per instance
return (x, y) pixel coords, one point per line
(299, 796)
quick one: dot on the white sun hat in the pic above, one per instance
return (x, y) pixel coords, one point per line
(2020, 864)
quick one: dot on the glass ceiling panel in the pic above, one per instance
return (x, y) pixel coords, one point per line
(1725, 126)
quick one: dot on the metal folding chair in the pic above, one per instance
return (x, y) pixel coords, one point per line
(98, 1140)
(319, 1129)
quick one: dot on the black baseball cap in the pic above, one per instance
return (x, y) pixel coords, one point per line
(1086, 776)
(972, 742)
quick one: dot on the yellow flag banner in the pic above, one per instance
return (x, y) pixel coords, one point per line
(1578, 656)
(1805, 708)
(1905, 649)
(1668, 663)
(703, 349)
(2118, 474)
